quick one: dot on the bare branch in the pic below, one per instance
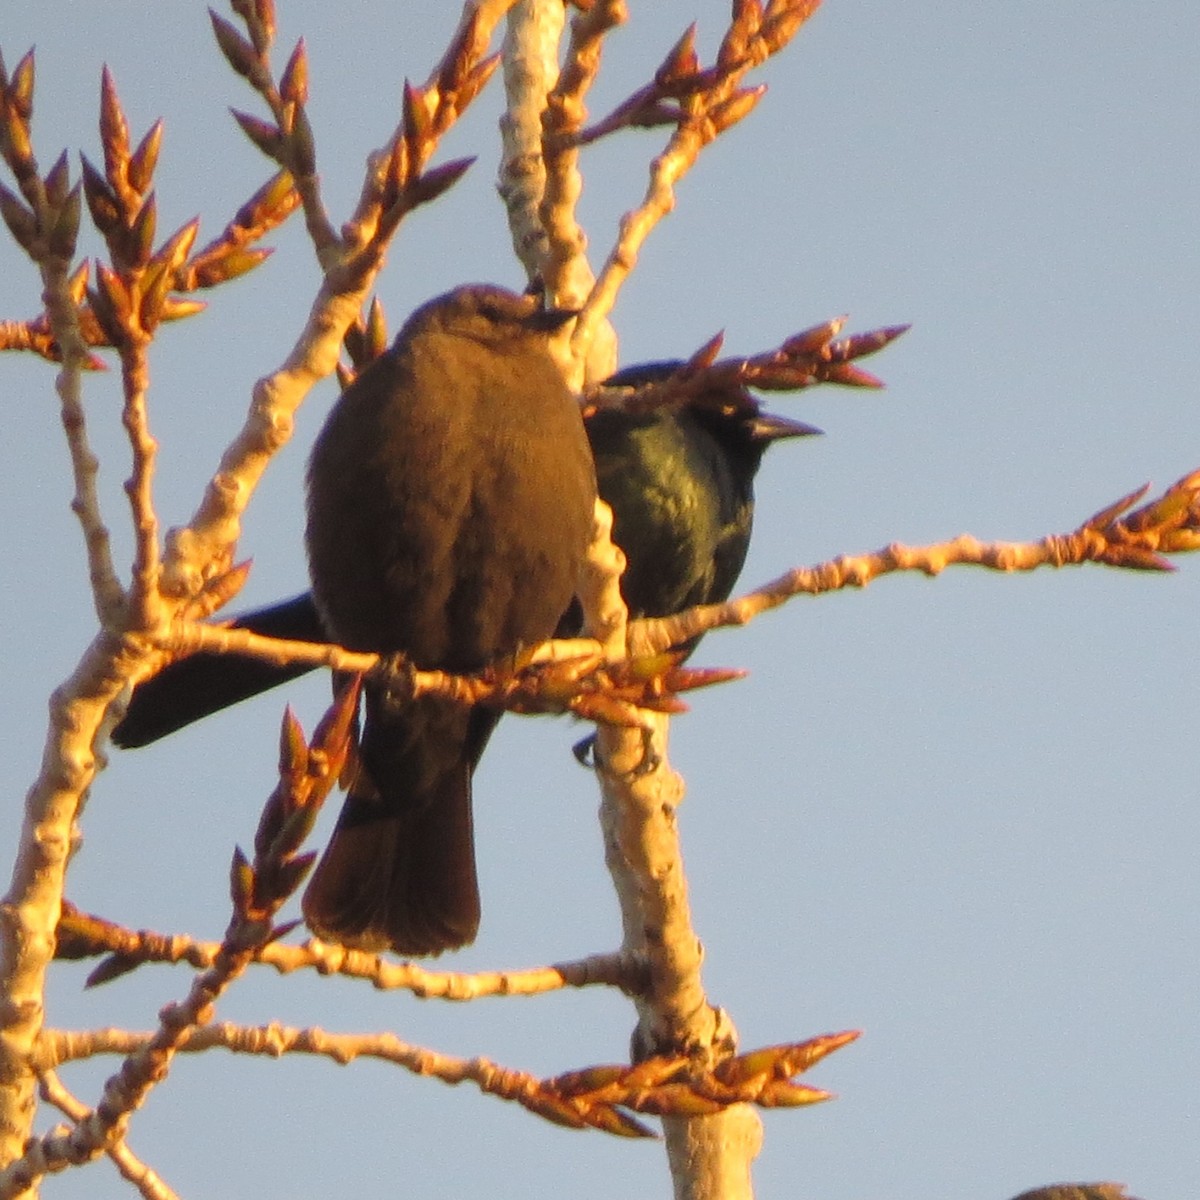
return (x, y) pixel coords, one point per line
(566, 272)
(82, 935)
(710, 102)
(530, 66)
(598, 1097)
(1115, 536)
(258, 890)
(144, 1178)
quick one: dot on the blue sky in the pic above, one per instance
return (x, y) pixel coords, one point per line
(958, 814)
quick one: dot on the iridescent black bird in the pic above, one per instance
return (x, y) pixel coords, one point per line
(680, 483)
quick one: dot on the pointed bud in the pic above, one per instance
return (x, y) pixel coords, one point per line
(681, 62)
(784, 21)
(264, 12)
(140, 171)
(468, 45)
(862, 344)
(228, 266)
(175, 308)
(433, 183)
(476, 81)
(354, 340)
(333, 733)
(707, 354)
(747, 16)
(114, 289)
(624, 1124)
(110, 968)
(77, 284)
(739, 106)
(265, 135)
(1136, 558)
(290, 873)
(1106, 516)
(281, 931)
(152, 295)
(293, 746)
(417, 124)
(20, 87)
(397, 173)
(677, 1100)
(21, 222)
(106, 316)
(808, 341)
(781, 1094)
(66, 226)
(301, 145)
(293, 87)
(376, 339)
(114, 130)
(174, 251)
(101, 201)
(551, 1109)
(297, 825)
(58, 181)
(239, 53)
(141, 235)
(241, 881)
(15, 143)
(848, 375)
(277, 200)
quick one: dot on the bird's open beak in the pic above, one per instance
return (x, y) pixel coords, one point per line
(767, 427)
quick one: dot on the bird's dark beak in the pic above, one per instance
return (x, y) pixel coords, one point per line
(767, 428)
(549, 320)
(545, 319)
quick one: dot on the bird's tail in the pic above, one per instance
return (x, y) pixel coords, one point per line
(198, 686)
(399, 871)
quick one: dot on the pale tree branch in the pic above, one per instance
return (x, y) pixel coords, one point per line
(82, 935)
(147, 1181)
(30, 909)
(711, 102)
(566, 271)
(599, 1097)
(1115, 536)
(258, 889)
(530, 68)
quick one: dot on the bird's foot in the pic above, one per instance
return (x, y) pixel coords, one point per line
(587, 755)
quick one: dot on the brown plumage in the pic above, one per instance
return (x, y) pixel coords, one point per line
(450, 498)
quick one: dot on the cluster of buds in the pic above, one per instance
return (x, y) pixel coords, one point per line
(708, 99)
(603, 1097)
(808, 358)
(140, 287)
(308, 772)
(1169, 524)
(44, 218)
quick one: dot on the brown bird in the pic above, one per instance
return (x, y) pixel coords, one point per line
(450, 499)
